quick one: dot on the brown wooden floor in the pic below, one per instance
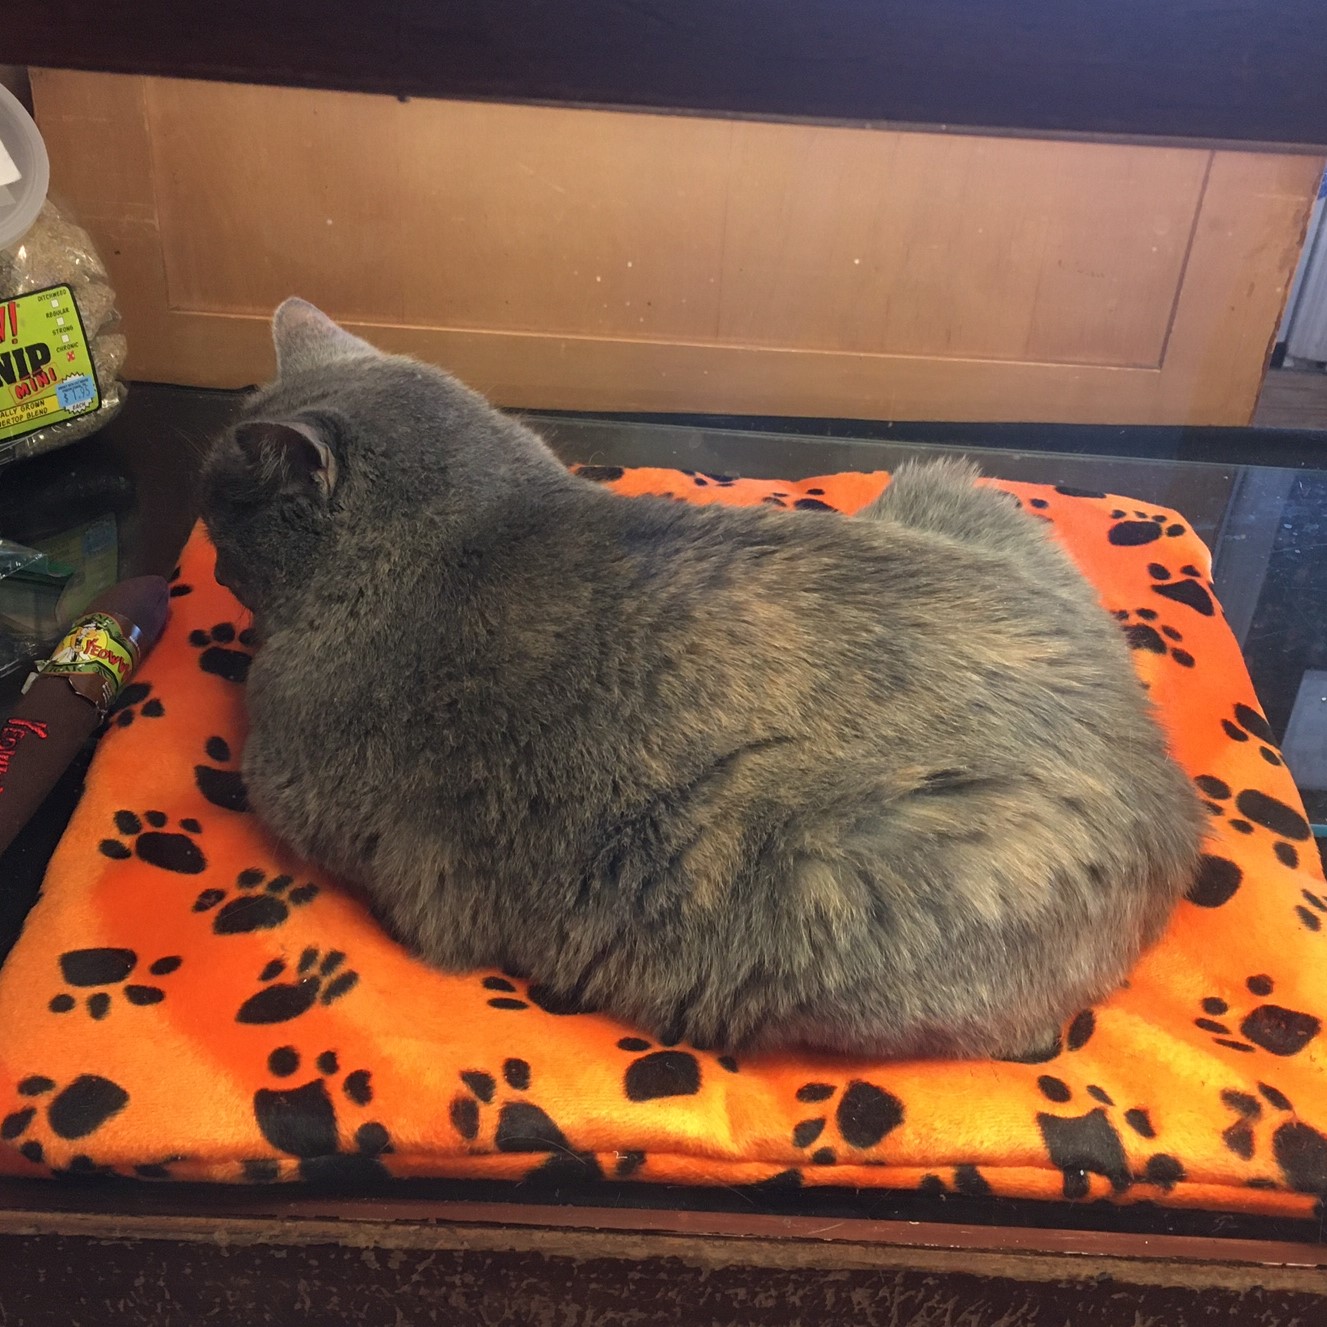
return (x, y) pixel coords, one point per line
(1293, 399)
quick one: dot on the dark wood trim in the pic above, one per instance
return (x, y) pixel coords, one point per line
(389, 1268)
(296, 1216)
(1237, 71)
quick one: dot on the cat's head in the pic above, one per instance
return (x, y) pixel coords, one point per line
(350, 445)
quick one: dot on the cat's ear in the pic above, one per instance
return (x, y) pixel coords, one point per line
(290, 456)
(306, 338)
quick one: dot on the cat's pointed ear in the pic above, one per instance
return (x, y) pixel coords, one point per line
(288, 455)
(306, 338)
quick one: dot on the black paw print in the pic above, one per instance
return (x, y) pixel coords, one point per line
(1142, 635)
(222, 787)
(1249, 723)
(86, 968)
(159, 1170)
(703, 479)
(319, 980)
(302, 1122)
(1217, 881)
(218, 655)
(1074, 1038)
(1034, 507)
(523, 1126)
(967, 1180)
(1141, 528)
(1276, 1030)
(135, 700)
(76, 1111)
(1091, 1143)
(1184, 589)
(601, 474)
(506, 995)
(1311, 917)
(264, 904)
(658, 1074)
(863, 1116)
(1298, 1149)
(1256, 807)
(169, 850)
(178, 589)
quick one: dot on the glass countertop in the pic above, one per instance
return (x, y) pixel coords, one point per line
(1266, 524)
(1258, 498)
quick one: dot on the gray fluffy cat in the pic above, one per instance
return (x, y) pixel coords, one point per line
(751, 779)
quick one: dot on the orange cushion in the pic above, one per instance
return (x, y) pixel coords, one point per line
(189, 1002)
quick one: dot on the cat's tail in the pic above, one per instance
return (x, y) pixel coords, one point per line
(944, 498)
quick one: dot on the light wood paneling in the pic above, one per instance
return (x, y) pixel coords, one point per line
(597, 260)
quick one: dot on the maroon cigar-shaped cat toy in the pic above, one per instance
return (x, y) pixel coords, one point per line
(70, 693)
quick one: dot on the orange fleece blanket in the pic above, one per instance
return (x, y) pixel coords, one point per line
(189, 1002)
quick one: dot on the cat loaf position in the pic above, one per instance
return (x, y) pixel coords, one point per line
(752, 779)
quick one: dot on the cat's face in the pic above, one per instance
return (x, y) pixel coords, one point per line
(347, 439)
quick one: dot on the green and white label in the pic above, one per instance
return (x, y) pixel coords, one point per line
(46, 373)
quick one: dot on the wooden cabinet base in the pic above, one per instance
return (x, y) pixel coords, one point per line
(265, 1258)
(599, 260)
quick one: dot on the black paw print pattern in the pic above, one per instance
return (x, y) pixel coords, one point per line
(966, 1180)
(1258, 808)
(89, 969)
(1217, 881)
(178, 589)
(1312, 913)
(862, 1117)
(222, 787)
(159, 1169)
(302, 1122)
(1091, 1143)
(319, 979)
(523, 1126)
(1140, 527)
(1299, 1150)
(1183, 589)
(658, 1073)
(1074, 1038)
(171, 850)
(1248, 723)
(703, 479)
(219, 655)
(1269, 1027)
(259, 905)
(506, 995)
(76, 1111)
(135, 701)
(1141, 634)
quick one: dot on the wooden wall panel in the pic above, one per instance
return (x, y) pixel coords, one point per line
(599, 260)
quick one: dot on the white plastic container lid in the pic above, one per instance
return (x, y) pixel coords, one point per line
(25, 170)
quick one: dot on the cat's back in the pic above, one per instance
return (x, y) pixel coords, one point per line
(593, 590)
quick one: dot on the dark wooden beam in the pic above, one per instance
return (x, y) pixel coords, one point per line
(1228, 70)
(267, 1257)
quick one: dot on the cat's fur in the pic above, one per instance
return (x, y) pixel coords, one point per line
(749, 778)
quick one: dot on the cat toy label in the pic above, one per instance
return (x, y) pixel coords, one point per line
(12, 732)
(46, 371)
(96, 650)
